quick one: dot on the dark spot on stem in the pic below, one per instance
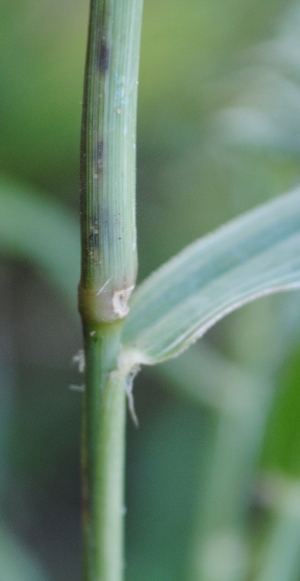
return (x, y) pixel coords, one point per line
(93, 237)
(99, 149)
(106, 224)
(99, 155)
(103, 56)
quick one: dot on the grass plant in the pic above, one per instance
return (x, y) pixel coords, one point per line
(253, 256)
(213, 473)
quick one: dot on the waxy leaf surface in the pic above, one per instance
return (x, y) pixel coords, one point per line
(254, 255)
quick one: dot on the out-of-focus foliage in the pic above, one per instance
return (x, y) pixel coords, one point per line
(212, 479)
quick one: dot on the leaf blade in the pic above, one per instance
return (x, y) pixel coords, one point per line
(39, 230)
(252, 256)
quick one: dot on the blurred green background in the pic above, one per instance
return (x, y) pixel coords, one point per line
(213, 473)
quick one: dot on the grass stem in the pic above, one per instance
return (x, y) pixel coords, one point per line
(108, 274)
(103, 456)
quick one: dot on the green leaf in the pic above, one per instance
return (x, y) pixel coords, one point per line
(17, 563)
(282, 441)
(252, 256)
(278, 556)
(41, 231)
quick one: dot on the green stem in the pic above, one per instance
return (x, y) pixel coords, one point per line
(103, 456)
(108, 154)
(108, 273)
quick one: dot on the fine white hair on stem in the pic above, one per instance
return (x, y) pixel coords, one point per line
(79, 358)
(79, 388)
(129, 392)
(104, 286)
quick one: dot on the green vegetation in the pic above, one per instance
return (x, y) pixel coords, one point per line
(212, 481)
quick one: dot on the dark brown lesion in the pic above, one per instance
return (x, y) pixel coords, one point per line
(103, 60)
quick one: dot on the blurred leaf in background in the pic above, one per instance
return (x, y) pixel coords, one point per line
(217, 134)
(42, 51)
(42, 58)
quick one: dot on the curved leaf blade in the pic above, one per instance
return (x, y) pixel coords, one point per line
(254, 255)
(37, 229)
